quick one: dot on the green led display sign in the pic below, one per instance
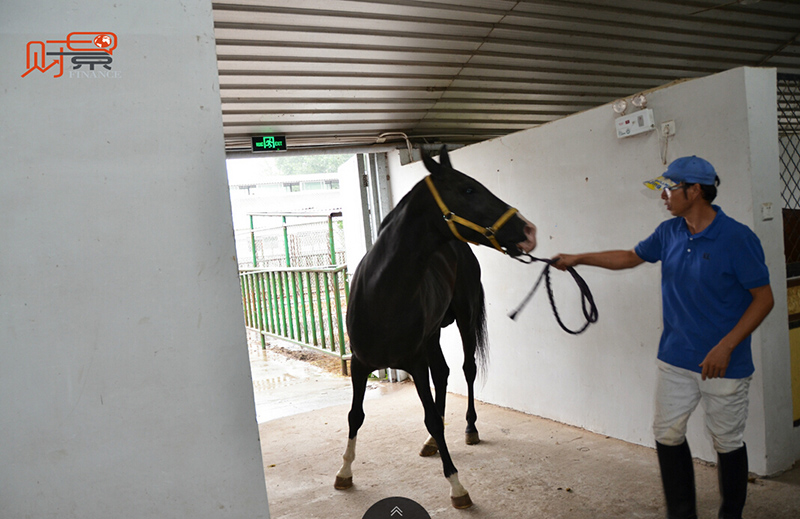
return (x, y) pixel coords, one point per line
(266, 143)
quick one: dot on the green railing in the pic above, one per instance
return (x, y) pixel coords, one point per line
(291, 240)
(301, 305)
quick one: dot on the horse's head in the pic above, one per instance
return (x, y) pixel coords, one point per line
(473, 213)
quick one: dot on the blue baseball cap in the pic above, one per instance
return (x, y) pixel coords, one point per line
(692, 170)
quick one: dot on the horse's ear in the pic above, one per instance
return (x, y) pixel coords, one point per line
(444, 158)
(431, 164)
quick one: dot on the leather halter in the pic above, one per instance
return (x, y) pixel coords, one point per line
(452, 219)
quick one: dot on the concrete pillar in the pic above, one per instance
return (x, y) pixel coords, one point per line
(125, 388)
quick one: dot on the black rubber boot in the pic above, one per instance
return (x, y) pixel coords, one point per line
(677, 476)
(732, 470)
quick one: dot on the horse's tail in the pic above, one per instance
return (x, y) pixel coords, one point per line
(481, 336)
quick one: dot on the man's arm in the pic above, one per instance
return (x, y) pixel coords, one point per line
(612, 260)
(716, 362)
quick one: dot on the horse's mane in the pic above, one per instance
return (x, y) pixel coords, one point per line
(397, 208)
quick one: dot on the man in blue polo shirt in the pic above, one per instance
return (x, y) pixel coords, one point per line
(715, 292)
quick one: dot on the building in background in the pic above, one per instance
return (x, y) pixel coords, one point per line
(263, 200)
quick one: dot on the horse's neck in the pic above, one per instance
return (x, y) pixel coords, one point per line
(412, 236)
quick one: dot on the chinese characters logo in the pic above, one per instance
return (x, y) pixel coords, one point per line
(85, 49)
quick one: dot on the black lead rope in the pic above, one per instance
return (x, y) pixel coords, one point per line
(587, 301)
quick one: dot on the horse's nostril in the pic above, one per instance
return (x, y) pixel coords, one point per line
(530, 236)
(529, 229)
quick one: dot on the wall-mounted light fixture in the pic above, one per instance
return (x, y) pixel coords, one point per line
(634, 123)
(619, 106)
(638, 101)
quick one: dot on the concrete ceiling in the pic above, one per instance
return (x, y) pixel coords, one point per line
(360, 73)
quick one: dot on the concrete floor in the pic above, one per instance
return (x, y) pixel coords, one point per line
(525, 467)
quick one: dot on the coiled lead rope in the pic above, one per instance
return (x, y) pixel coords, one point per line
(587, 301)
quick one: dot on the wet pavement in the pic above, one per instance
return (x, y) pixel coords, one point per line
(284, 386)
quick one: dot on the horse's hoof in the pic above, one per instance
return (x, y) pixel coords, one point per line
(461, 502)
(343, 483)
(473, 438)
(428, 450)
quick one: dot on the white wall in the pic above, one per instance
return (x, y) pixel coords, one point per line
(125, 388)
(583, 188)
(353, 199)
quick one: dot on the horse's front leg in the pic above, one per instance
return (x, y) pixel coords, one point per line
(359, 376)
(439, 373)
(459, 497)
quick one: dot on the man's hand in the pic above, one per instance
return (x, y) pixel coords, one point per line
(716, 362)
(562, 261)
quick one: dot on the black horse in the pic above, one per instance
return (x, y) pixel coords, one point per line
(417, 278)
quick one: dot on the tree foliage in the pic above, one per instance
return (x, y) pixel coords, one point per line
(310, 164)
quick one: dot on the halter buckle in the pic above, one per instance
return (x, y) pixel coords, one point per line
(452, 219)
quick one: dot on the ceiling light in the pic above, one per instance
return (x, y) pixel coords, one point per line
(639, 101)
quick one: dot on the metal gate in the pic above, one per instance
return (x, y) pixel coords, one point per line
(789, 138)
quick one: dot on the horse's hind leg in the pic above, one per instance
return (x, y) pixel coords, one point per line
(470, 372)
(470, 315)
(359, 374)
(439, 373)
(459, 496)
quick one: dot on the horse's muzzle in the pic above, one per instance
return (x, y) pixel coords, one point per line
(530, 236)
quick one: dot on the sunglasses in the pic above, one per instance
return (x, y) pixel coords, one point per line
(661, 183)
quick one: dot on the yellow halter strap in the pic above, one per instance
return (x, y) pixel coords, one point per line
(452, 219)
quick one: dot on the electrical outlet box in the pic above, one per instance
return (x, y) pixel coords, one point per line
(668, 129)
(635, 123)
(766, 211)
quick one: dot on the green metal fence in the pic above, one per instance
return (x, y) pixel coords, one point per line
(302, 305)
(297, 287)
(308, 239)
